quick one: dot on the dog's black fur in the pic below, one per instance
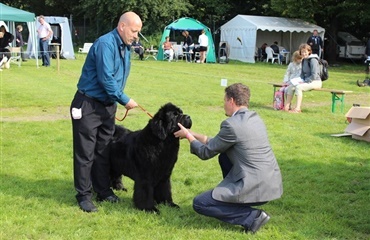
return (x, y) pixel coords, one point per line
(148, 156)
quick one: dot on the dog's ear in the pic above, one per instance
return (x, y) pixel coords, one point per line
(158, 128)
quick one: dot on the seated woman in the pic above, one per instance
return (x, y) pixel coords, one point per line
(309, 78)
(168, 49)
(138, 48)
(5, 39)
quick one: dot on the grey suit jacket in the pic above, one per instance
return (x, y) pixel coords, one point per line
(255, 175)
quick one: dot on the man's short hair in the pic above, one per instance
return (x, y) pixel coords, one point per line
(240, 93)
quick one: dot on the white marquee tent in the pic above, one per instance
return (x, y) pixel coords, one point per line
(246, 33)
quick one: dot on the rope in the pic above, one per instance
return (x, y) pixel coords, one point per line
(128, 110)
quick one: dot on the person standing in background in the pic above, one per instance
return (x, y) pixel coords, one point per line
(188, 45)
(44, 33)
(203, 46)
(367, 56)
(19, 41)
(138, 48)
(316, 43)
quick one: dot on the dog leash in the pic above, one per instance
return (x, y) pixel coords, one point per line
(129, 109)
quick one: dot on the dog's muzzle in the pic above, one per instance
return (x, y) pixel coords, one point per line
(185, 120)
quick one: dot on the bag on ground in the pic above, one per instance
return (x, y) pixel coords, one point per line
(279, 100)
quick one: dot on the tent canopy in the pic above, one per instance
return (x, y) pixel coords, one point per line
(12, 15)
(189, 24)
(15, 15)
(245, 33)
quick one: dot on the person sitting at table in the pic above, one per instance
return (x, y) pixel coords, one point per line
(168, 49)
(138, 48)
(263, 52)
(276, 49)
(5, 39)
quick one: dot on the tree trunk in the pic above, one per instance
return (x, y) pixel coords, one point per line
(331, 46)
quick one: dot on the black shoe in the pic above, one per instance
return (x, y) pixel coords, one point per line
(87, 206)
(112, 199)
(24, 60)
(261, 219)
(360, 84)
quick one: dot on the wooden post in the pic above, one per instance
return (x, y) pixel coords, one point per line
(57, 52)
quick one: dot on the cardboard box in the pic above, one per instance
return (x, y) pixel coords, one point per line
(360, 123)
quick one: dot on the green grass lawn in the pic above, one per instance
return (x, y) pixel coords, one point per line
(326, 179)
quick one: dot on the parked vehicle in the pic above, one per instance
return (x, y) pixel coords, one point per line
(349, 46)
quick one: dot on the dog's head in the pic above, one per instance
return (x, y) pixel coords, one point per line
(164, 122)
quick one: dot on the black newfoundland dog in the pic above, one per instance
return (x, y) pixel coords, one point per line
(148, 156)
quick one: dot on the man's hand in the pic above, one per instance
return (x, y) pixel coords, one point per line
(131, 104)
(182, 132)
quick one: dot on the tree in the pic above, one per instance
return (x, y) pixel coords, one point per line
(333, 15)
(154, 13)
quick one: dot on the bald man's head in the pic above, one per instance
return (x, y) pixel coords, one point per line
(129, 26)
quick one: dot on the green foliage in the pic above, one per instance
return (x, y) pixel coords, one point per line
(348, 13)
(326, 179)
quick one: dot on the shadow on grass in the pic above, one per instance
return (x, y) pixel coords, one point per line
(58, 190)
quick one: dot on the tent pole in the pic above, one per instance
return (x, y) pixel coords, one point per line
(143, 37)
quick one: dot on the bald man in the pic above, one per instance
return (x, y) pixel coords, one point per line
(99, 89)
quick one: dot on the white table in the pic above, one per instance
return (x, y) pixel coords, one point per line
(152, 53)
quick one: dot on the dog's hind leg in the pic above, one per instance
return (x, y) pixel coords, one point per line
(117, 184)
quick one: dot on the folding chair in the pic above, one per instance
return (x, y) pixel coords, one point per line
(178, 52)
(271, 55)
(15, 55)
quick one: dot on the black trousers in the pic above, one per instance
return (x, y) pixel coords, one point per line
(92, 134)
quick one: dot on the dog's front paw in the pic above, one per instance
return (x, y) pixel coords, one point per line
(153, 210)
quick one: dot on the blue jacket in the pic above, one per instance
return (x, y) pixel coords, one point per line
(106, 69)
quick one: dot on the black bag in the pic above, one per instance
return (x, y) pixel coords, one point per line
(323, 72)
